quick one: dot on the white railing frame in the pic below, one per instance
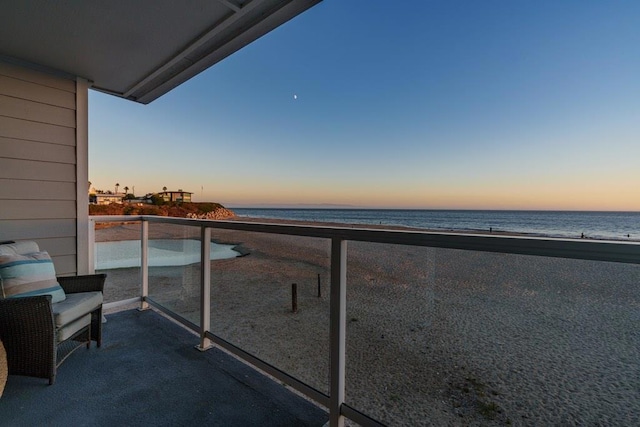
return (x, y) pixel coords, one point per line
(144, 265)
(205, 288)
(91, 255)
(337, 330)
(608, 251)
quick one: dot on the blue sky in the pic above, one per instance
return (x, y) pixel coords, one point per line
(416, 104)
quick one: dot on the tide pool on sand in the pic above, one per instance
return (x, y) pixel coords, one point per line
(162, 253)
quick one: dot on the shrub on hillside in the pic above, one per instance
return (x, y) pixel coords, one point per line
(181, 210)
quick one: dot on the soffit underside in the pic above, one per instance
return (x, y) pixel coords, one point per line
(139, 49)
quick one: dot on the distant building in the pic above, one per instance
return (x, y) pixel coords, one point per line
(175, 196)
(106, 198)
(146, 200)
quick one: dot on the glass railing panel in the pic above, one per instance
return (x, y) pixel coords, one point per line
(251, 301)
(117, 253)
(174, 268)
(451, 337)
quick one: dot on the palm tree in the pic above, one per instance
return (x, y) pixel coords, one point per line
(117, 185)
(126, 189)
(164, 188)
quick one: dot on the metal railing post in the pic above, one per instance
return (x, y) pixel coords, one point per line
(205, 288)
(144, 264)
(91, 250)
(338, 313)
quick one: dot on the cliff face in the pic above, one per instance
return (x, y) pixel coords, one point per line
(180, 210)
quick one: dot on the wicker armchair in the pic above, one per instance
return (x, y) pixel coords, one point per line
(35, 345)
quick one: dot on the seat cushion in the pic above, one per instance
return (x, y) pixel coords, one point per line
(75, 306)
(69, 330)
(29, 275)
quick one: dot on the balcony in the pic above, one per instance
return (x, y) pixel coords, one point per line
(147, 372)
(373, 326)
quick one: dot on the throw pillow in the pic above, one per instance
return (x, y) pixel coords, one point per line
(29, 275)
(21, 247)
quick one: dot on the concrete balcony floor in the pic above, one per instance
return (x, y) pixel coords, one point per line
(148, 372)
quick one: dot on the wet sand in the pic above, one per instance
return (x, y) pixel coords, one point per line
(434, 336)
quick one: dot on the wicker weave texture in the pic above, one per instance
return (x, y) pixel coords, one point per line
(27, 328)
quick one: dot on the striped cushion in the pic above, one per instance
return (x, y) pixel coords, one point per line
(29, 275)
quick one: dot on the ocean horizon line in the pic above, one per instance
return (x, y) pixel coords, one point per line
(354, 207)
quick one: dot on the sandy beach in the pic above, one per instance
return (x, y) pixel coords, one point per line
(434, 336)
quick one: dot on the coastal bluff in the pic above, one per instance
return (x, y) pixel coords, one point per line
(204, 210)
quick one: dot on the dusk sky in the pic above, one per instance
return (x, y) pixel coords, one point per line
(418, 104)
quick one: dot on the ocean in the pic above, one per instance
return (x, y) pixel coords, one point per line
(567, 224)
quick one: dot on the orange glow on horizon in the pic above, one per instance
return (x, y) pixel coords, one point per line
(532, 198)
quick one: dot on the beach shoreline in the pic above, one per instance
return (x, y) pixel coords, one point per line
(478, 232)
(616, 226)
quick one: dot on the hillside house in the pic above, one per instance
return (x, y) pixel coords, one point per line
(175, 196)
(106, 198)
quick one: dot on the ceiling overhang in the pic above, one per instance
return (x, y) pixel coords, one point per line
(138, 50)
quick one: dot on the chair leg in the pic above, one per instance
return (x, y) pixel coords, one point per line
(96, 326)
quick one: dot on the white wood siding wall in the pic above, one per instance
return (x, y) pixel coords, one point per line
(38, 163)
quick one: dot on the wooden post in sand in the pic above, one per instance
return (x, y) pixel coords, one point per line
(294, 297)
(319, 290)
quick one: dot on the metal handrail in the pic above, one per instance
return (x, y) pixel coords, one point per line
(586, 249)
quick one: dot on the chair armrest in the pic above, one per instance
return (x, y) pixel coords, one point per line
(88, 283)
(26, 318)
